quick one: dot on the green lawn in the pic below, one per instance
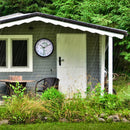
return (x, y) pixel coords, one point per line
(122, 88)
(68, 126)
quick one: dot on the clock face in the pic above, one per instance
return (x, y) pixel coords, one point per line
(44, 47)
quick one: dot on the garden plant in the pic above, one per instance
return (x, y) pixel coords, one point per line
(52, 106)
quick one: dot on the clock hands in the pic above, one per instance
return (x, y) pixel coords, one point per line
(45, 46)
(48, 45)
(42, 46)
(44, 52)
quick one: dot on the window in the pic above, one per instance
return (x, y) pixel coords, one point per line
(2, 53)
(19, 52)
(16, 53)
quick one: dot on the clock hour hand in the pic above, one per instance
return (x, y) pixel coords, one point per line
(45, 46)
(42, 46)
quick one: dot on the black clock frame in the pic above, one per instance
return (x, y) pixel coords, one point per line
(36, 44)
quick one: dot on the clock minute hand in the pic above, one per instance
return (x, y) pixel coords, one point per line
(48, 45)
(42, 46)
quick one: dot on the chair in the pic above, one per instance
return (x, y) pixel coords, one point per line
(46, 83)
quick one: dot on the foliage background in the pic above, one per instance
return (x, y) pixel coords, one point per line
(111, 13)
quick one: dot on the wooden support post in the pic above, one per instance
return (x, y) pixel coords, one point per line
(102, 59)
(110, 65)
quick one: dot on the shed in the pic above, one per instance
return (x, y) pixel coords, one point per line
(77, 52)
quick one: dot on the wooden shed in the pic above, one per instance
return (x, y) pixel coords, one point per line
(77, 50)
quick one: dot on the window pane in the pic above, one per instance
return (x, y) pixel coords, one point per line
(19, 52)
(2, 53)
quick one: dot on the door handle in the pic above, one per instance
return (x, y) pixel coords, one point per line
(60, 60)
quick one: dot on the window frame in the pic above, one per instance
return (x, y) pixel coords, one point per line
(9, 67)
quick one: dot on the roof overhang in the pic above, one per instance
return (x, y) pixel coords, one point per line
(65, 23)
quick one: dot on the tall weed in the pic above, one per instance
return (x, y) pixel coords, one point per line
(24, 109)
(52, 106)
(3, 112)
(75, 109)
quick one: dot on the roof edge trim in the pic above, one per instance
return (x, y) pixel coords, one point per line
(62, 23)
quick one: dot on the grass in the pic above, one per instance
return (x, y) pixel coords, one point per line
(124, 93)
(122, 87)
(68, 126)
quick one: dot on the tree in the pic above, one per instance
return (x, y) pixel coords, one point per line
(24, 6)
(64, 8)
(111, 13)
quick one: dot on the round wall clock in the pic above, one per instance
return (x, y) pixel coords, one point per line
(44, 47)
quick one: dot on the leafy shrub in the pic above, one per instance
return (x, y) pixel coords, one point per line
(107, 103)
(53, 95)
(55, 101)
(124, 113)
(52, 106)
(18, 91)
(110, 101)
(126, 103)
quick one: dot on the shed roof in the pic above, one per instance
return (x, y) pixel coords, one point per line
(20, 18)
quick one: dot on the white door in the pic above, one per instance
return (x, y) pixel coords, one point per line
(71, 63)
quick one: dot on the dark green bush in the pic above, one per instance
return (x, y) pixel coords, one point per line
(55, 101)
(103, 101)
(126, 103)
(110, 101)
(53, 95)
